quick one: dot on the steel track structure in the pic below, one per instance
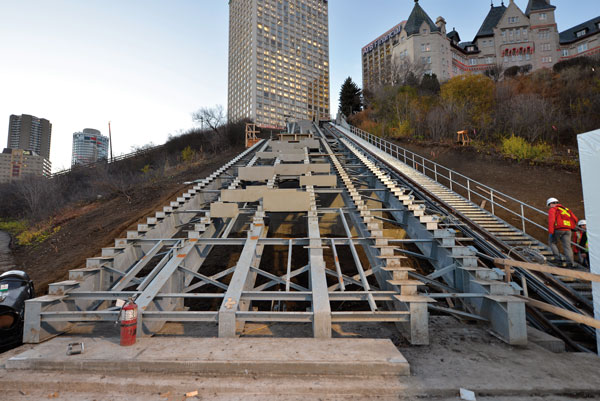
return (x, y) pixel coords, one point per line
(342, 193)
(490, 236)
(162, 265)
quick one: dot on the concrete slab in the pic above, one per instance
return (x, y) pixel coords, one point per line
(458, 356)
(211, 356)
(545, 340)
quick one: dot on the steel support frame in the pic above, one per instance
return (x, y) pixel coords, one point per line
(506, 314)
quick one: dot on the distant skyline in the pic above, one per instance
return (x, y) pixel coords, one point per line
(147, 65)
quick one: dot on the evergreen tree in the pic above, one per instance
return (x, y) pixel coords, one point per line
(350, 98)
(430, 84)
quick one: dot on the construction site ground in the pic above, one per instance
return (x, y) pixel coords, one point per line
(460, 356)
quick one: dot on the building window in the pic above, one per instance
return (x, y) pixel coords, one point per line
(425, 31)
(546, 59)
(473, 61)
(506, 59)
(582, 47)
(546, 47)
(565, 52)
(513, 20)
(544, 34)
(543, 16)
(581, 33)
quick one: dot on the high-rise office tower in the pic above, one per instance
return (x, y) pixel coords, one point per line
(278, 61)
(30, 133)
(89, 146)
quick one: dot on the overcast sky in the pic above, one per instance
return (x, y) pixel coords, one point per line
(146, 65)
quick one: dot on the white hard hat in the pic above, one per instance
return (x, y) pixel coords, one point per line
(581, 223)
(551, 200)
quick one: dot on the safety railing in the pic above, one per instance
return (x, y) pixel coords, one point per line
(490, 198)
(114, 159)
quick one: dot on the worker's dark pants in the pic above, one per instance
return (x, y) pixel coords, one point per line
(564, 237)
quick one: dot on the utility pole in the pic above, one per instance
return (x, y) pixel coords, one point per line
(110, 142)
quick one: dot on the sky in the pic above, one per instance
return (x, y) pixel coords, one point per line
(147, 65)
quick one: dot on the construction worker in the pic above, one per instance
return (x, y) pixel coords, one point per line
(561, 222)
(582, 240)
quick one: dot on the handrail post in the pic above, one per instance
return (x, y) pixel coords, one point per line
(469, 189)
(450, 178)
(523, 217)
(435, 172)
(492, 200)
(424, 165)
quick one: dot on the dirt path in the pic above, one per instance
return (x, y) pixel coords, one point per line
(6, 259)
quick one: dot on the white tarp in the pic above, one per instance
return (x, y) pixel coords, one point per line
(589, 159)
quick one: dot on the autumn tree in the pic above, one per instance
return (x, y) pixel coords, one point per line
(471, 98)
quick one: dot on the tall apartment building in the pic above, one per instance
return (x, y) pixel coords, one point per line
(18, 163)
(507, 37)
(377, 57)
(30, 133)
(89, 146)
(278, 61)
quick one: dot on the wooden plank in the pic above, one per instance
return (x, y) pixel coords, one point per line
(574, 316)
(548, 269)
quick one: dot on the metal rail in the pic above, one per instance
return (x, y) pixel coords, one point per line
(456, 181)
(555, 292)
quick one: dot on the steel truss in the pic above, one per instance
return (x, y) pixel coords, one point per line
(162, 264)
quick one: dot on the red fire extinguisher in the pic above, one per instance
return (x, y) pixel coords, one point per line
(128, 319)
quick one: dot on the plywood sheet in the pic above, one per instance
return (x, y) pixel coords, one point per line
(256, 173)
(223, 210)
(286, 200)
(250, 194)
(318, 180)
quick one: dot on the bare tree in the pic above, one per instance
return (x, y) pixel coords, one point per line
(37, 193)
(495, 72)
(437, 122)
(213, 117)
(403, 71)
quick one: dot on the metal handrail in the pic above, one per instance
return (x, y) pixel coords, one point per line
(114, 159)
(419, 163)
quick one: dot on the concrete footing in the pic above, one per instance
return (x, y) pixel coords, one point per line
(216, 356)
